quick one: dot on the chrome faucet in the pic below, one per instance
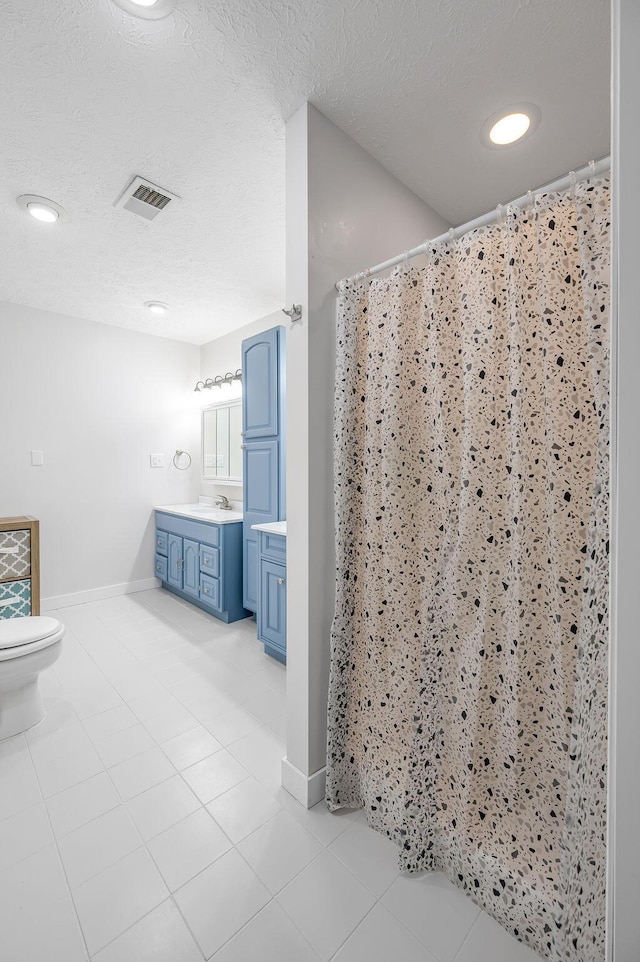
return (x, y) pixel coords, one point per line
(224, 503)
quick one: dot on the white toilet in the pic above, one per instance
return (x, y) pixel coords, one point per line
(27, 646)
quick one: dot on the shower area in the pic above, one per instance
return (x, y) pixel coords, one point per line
(468, 688)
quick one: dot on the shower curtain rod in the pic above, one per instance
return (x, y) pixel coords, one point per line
(592, 169)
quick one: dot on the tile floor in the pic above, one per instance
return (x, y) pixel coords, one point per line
(143, 820)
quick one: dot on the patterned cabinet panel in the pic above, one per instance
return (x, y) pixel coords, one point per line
(19, 567)
(15, 599)
(15, 554)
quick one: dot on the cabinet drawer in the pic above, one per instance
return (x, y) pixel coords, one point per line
(15, 599)
(273, 547)
(210, 560)
(161, 567)
(210, 591)
(15, 554)
(161, 542)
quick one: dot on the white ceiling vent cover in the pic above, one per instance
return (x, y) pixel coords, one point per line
(145, 199)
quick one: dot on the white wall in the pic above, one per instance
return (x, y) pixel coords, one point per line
(98, 400)
(624, 834)
(218, 357)
(344, 212)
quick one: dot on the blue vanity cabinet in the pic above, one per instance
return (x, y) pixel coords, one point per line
(263, 476)
(202, 563)
(272, 598)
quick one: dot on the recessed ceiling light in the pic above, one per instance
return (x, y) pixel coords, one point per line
(510, 128)
(41, 208)
(147, 9)
(42, 212)
(157, 307)
(510, 125)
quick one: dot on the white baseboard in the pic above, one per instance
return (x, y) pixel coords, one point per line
(97, 594)
(306, 789)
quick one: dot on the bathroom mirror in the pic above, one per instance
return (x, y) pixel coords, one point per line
(221, 442)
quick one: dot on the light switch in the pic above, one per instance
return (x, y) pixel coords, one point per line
(157, 460)
(37, 458)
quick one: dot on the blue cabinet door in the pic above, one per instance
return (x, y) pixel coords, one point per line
(272, 614)
(191, 567)
(174, 560)
(261, 385)
(261, 496)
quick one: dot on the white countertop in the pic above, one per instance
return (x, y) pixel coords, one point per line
(201, 512)
(272, 527)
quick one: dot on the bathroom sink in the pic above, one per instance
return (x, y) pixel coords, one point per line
(205, 512)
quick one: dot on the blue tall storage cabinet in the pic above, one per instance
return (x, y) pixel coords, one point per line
(263, 463)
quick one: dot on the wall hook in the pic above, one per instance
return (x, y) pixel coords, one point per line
(294, 312)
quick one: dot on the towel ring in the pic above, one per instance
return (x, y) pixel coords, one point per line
(177, 455)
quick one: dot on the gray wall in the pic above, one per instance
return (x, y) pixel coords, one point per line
(97, 400)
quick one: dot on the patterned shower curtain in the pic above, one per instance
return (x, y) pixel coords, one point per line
(468, 690)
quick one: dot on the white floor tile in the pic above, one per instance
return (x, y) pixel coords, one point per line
(109, 722)
(279, 850)
(144, 771)
(326, 903)
(231, 725)
(243, 809)
(269, 937)
(488, 942)
(95, 846)
(60, 713)
(214, 775)
(23, 835)
(220, 900)
(37, 918)
(371, 857)
(82, 803)
(191, 747)
(20, 788)
(267, 707)
(319, 821)
(437, 913)
(187, 848)
(279, 728)
(171, 722)
(261, 754)
(161, 936)
(162, 806)
(125, 744)
(113, 900)
(380, 937)
(274, 675)
(65, 758)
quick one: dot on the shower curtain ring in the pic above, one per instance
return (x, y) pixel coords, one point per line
(573, 180)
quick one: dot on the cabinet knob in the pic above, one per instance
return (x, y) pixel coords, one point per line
(280, 581)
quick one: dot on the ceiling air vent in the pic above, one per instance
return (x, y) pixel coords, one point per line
(145, 199)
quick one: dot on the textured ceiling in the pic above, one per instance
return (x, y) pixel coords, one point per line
(197, 103)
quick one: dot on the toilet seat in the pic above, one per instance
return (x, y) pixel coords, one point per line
(21, 636)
